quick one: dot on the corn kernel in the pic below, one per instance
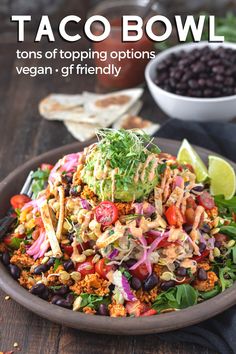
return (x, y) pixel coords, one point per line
(216, 252)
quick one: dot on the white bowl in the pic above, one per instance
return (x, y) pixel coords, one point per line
(190, 108)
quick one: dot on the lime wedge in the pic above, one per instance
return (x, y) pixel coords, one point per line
(222, 175)
(187, 154)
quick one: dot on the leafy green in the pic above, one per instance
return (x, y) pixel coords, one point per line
(224, 26)
(229, 230)
(40, 177)
(205, 295)
(124, 149)
(225, 206)
(125, 272)
(15, 243)
(179, 297)
(57, 263)
(93, 300)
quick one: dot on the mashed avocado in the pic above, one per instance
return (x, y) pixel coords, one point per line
(120, 167)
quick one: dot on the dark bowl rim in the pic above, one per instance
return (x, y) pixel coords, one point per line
(101, 324)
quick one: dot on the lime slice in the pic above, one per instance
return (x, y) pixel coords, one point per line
(187, 154)
(222, 175)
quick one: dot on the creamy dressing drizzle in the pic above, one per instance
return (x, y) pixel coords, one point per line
(153, 169)
(149, 159)
(136, 176)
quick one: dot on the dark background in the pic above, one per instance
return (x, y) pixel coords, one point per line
(25, 134)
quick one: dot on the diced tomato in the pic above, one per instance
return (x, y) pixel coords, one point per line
(35, 234)
(140, 272)
(86, 267)
(204, 255)
(19, 200)
(163, 244)
(174, 216)
(81, 247)
(189, 167)
(39, 222)
(136, 308)
(46, 167)
(190, 203)
(106, 213)
(206, 200)
(150, 312)
(102, 268)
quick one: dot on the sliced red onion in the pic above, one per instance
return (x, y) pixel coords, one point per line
(85, 204)
(148, 209)
(67, 164)
(113, 254)
(138, 207)
(202, 239)
(210, 243)
(39, 247)
(121, 282)
(178, 182)
(144, 255)
(36, 204)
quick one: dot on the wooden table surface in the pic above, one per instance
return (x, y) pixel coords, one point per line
(25, 134)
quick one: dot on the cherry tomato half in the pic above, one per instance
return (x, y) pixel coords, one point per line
(174, 216)
(81, 247)
(19, 200)
(86, 267)
(206, 200)
(46, 166)
(140, 272)
(150, 312)
(106, 213)
(102, 268)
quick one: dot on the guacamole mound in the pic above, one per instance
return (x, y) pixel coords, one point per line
(120, 167)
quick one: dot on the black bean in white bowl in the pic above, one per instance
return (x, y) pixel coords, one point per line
(195, 81)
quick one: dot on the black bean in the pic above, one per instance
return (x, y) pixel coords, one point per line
(63, 303)
(150, 282)
(202, 274)
(70, 298)
(42, 268)
(165, 285)
(15, 271)
(198, 188)
(38, 289)
(205, 228)
(6, 258)
(55, 299)
(209, 73)
(103, 310)
(136, 283)
(181, 271)
(68, 265)
(202, 247)
(130, 262)
(74, 191)
(51, 262)
(62, 290)
(188, 228)
(218, 244)
(45, 294)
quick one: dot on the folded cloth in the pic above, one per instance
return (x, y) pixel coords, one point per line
(217, 333)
